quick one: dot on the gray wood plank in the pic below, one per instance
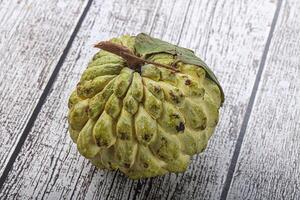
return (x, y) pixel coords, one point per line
(33, 35)
(269, 163)
(230, 36)
(62, 173)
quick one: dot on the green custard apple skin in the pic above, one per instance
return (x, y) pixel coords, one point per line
(144, 122)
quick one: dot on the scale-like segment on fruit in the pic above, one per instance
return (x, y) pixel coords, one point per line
(145, 117)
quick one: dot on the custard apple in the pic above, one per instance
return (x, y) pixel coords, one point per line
(143, 106)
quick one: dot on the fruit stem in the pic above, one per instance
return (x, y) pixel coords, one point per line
(132, 60)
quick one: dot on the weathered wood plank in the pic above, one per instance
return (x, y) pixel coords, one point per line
(229, 35)
(269, 163)
(62, 172)
(33, 35)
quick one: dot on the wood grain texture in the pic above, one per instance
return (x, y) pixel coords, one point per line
(62, 172)
(33, 35)
(229, 35)
(269, 163)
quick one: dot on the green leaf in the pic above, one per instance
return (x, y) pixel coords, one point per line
(146, 45)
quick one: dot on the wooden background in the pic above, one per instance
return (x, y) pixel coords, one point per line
(253, 47)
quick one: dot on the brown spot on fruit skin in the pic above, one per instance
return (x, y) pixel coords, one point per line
(180, 127)
(124, 136)
(110, 165)
(187, 82)
(146, 137)
(101, 143)
(146, 165)
(174, 97)
(203, 126)
(126, 165)
(175, 115)
(87, 110)
(157, 89)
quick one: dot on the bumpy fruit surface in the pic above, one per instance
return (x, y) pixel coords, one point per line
(144, 122)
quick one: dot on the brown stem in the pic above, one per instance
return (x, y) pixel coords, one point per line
(132, 60)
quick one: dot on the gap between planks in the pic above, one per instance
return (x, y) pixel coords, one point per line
(245, 122)
(43, 97)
